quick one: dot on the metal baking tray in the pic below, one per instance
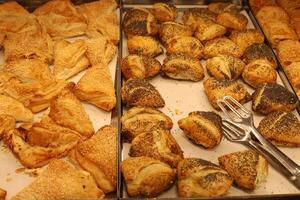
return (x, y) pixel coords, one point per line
(190, 96)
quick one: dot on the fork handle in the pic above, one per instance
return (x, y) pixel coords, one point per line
(277, 154)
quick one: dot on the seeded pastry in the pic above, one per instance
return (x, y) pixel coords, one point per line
(168, 30)
(192, 17)
(208, 30)
(203, 128)
(158, 144)
(281, 128)
(139, 92)
(259, 52)
(273, 97)
(138, 120)
(147, 177)
(221, 7)
(201, 178)
(164, 12)
(247, 168)
(144, 45)
(232, 20)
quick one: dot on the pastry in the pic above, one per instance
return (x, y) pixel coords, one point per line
(246, 38)
(61, 181)
(259, 72)
(135, 66)
(269, 98)
(208, 30)
(188, 45)
(201, 178)
(93, 9)
(183, 67)
(221, 7)
(288, 52)
(66, 110)
(138, 120)
(225, 67)
(146, 176)
(215, 90)
(12, 7)
(259, 52)
(139, 21)
(168, 30)
(158, 144)
(61, 19)
(7, 123)
(96, 87)
(296, 25)
(256, 5)
(247, 168)
(232, 20)
(272, 14)
(144, 45)
(15, 108)
(221, 46)
(164, 12)
(69, 58)
(100, 50)
(139, 92)
(293, 73)
(2, 194)
(203, 128)
(98, 156)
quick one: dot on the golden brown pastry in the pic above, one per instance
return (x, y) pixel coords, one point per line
(293, 73)
(138, 120)
(272, 14)
(12, 7)
(69, 58)
(66, 110)
(139, 92)
(225, 67)
(221, 46)
(203, 128)
(61, 181)
(259, 52)
(2, 194)
(29, 70)
(208, 30)
(221, 7)
(168, 30)
(98, 156)
(15, 108)
(288, 52)
(256, 5)
(188, 45)
(288, 5)
(100, 50)
(158, 144)
(102, 19)
(215, 90)
(139, 21)
(247, 168)
(232, 20)
(281, 128)
(135, 66)
(246, 38)
(269, 98)
(144, 45)
(296, 25)
(2, 36)
(96, 87)
(183, 67)
(164, 12)
(60, 19)
(201, 178)
(7, 123)
(259, 72)
(28, 45)
(146, 176)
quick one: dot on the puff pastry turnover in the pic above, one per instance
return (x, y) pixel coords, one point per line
(288, 52)
(12, 7)
(164, 12)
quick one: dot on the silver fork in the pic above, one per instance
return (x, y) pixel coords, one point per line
(238, 127)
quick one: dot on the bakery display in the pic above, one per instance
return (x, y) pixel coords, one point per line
(182, 67)
(164, 12)
(247, 168)
(147, 177)
(144, 45)
(158, 144)
(138, 120)
(269, 98)
(203, 128)
(201, 178)
(169, 30)
(281, 128)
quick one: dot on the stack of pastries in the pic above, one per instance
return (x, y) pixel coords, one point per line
(44, 51)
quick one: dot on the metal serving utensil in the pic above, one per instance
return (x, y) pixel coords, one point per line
(238, 126)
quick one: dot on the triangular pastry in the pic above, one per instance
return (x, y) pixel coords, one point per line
(12, 7)
(61, 181)
(66, 110)
(98, 155)
(69, 58)
(96, 87)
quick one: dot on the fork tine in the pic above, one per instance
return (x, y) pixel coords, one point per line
(220, 104)
(238, 104)
(228, 135)
(232, 108)
(234, 130)
(224, 121)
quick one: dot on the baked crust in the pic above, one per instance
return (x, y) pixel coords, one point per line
(7, 123)
(232, 20)
(164, 12)
(259, 52)
(288, 52)
(169, 30)
(144, 46)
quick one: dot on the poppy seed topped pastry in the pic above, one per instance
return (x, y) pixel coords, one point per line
(269, 98)
(232, 20)
(259, 52)
(208, 30)
(281, 128)
(203, 128)
(201, 178)
(164, 12)
(168, 30)
(144, 46)
(193, 16)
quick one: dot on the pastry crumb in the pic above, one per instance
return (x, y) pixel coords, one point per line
(20, 170)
